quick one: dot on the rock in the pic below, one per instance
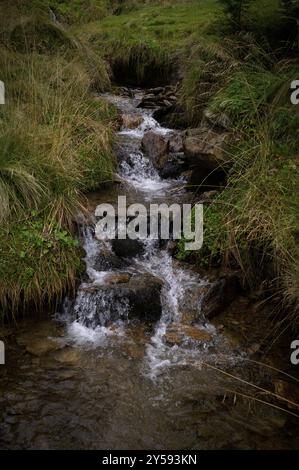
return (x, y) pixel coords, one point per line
(39, 347)
(68, 355)
(155, 146)
(176, 143)
(131, 121)
(189, 316)
(127, 248)
(205, 148)
(107, 260)
(170, 166)
(220, 295)
(5, 332)
(156, 91)
(205, 179)
(173, 338)
(196, 334)
(177, 333)
(148, 101)
(117, 278)
(139, 298)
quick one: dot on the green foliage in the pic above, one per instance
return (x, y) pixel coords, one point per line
(236, 10)
(56, 143)
(37, 263)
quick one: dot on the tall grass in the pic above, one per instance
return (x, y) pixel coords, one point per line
(253, 223)
(55, 145)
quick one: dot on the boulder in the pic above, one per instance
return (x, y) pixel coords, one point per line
(206, 148)
(155, 146)
(131, 121)
(176, 142)
(128, 248)
(220, 295)
(171, 167)
(107, 260)
(138, 298)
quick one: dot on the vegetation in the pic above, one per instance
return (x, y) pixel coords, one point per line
(55, 144)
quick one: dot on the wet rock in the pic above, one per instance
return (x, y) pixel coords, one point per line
(205, 179)
(220, 295)
(139, 298)
(189, 316)
(176, 143)
(178, 333)
(206, 148)
(159, 97)
(148, 101)
(40, 347)
(155, 146)
(156, 91)
(128, 248)
(68, 355)
(171, 166)
(131, 121)
(196, 334)
(117, 278)
(107, 260)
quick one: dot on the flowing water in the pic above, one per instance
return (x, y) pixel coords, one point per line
(95, 378)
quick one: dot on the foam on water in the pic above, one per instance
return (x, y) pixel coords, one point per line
(140, 173)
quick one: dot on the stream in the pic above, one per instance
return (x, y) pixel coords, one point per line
(97, 377)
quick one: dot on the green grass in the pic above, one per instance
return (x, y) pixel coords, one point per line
(167, 25)
(253, 224)
(56, 143)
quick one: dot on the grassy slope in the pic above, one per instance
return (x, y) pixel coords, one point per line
(55, 144)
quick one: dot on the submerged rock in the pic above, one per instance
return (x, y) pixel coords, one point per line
(39, 347)
(178, 333)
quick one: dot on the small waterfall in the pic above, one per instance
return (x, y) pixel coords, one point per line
(101, 311)
(139, 171)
